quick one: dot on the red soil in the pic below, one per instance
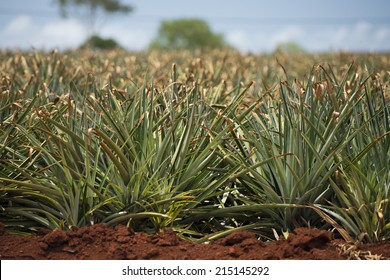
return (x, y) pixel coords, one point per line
(101, 242)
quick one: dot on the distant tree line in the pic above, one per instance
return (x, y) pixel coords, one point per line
(177, 34)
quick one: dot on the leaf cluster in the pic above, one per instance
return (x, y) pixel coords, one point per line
(188, 34)
(108, 6)
(206, 145)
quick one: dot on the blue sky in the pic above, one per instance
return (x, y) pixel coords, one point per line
(248, 25)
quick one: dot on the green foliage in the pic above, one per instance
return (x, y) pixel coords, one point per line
(289, 47)
(98, 43)
(186, 34)
(108, 6)
(112, 137)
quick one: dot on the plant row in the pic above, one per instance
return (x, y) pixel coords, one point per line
(205, 148)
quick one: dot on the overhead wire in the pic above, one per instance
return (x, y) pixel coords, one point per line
(229, 19)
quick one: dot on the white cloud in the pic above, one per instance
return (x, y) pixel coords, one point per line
(287, 34)
(362, 36)
(362, 27)
(358, 37)
(130, 38)
(22, 32)
(18, 25)
(238, 39)
(338, 37)
(382, 34)
(65, 33)
(264, 39)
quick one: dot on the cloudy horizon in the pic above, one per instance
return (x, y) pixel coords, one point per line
(248, 26)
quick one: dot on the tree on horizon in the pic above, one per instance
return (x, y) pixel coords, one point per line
(91, 9)
(186, 34)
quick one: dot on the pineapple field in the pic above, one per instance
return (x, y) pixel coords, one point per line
(163, 155)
